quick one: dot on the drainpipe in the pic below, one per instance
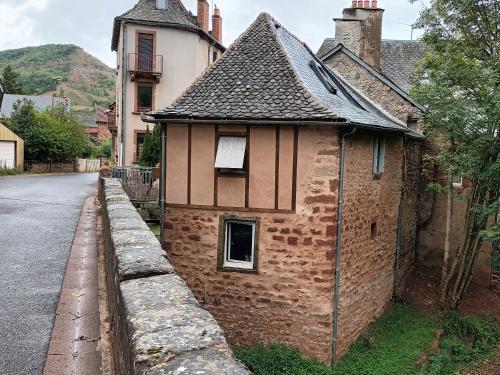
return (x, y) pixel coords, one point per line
(123, 138)
(163, 180)
(339, 245)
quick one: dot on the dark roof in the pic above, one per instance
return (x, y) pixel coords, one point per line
(175, 15)
(397, 58)
(87, 119)
(267, 75)
(101, 115)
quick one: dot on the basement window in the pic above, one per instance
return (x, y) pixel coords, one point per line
(378, 155)
(231, 154)
(239, 244)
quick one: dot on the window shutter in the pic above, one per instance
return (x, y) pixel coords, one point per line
(231, 153)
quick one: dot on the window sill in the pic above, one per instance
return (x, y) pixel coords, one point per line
(138, 113)
(378, 176)
(237, 270)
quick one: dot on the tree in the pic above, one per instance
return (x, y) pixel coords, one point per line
(10, 82)
(151, 149)
(459, 81)
(53, 134)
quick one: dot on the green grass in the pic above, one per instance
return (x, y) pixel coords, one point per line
(394, 345)
(11, 172)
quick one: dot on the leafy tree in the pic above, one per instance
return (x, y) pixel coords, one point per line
(10, 82)
(151, 148)
(458, 81)
(50, 135)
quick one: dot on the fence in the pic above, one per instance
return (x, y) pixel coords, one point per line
(88, 165)
(140, 183)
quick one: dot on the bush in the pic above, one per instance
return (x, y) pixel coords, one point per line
(151, 148)
(53, 134)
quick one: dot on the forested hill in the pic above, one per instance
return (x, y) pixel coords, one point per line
(84, 78)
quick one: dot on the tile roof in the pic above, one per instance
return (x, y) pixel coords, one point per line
(269, 74)
(40, 102)
(175, 15)
(397, 59)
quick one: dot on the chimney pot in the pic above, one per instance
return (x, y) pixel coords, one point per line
(203, 14)
(367, 4)
(374, 4)
(354, 3)
(360, 3)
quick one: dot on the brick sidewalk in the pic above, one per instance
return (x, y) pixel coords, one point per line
(75, 343)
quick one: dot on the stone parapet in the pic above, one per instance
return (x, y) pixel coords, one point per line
(157, 326)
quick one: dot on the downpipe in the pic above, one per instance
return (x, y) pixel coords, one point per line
(336, 297)
(163, 181)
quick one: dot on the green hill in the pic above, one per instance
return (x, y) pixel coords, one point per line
(84, 78)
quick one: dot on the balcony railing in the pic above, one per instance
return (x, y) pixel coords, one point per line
(140, 64)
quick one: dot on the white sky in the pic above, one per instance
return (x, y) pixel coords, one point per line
(88, 23)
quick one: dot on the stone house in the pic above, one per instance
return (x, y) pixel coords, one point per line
(161, 48)
(96, 124)
(282, 187)
(381, 70)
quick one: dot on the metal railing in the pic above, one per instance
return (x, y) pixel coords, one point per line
(139, 183)
(140, 63)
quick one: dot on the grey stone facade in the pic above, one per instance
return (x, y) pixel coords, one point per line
(158, 327)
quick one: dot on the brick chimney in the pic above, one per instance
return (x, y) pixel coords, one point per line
(203, 14)
(217, 25)
(360, 30)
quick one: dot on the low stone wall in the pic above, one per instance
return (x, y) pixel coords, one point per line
(88, 165)
(158, 327)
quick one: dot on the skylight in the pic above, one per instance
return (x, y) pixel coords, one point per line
(161, 4)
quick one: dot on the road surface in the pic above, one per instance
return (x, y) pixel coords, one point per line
(38, 217)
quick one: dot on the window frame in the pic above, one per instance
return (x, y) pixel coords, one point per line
(138, 84)
(379, 147)
(225, 265)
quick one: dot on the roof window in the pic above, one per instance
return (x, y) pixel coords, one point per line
(323, 76)
(161, 4)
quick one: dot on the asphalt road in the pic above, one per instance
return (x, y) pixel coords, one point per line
(38, 217)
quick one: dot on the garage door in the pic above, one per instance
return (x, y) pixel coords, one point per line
(7, 154)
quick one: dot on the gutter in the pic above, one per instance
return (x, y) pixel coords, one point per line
(336, 299)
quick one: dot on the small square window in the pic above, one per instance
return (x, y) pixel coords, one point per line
(144, 97)
(457, 180)
(161, 4)
(231, 153)
(239, 244)
(412, 124)
(378, 155)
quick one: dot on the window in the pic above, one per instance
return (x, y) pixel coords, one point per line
(161, 4)
(144, 97)
(231, 153)
(214, 56)
(412, 124)
(139, 143)
(145, 52)
(378, 155)
(239, 244)
(457, 180)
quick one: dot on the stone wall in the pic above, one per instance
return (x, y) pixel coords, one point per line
(371, 207)
(158, 327)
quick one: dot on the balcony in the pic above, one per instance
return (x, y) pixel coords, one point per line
(145, 66)
(112, 121)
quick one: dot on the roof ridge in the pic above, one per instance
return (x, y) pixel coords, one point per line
(298, 80)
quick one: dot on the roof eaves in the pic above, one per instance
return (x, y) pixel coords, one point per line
(341, 48)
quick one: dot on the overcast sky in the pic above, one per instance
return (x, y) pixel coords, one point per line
(88, 23)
